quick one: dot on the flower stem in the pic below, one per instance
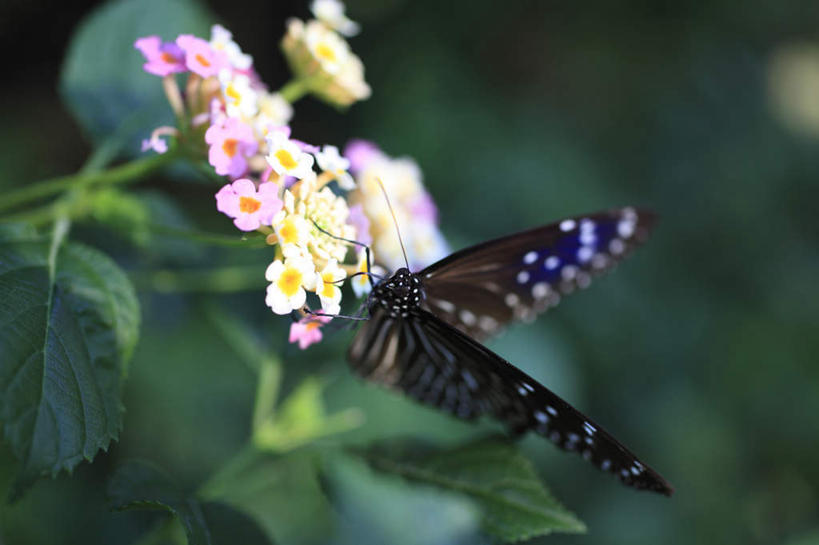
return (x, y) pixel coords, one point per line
(124, 173)
(218, 280)
(294, 89)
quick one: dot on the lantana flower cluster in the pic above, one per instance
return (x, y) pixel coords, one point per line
(414, 208)
(298, 195)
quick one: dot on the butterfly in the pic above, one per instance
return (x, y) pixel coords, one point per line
(424, 332)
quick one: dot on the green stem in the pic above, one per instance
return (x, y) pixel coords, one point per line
(252, 240)
(124, 173)
(222, 478)
(219, 280)
(295, 89)
(267, 391)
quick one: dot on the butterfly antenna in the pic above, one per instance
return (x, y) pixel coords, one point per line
(394, 220)
(366, 250)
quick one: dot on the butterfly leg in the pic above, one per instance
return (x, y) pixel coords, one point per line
(357, 243)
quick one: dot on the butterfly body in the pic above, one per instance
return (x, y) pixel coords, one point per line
(422, 337)
(399, 294)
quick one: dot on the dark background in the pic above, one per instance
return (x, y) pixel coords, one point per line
(699, 352)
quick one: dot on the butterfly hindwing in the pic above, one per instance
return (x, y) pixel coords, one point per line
(481, 289)
(431, 361)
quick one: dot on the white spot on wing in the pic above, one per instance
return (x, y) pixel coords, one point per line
(523, 277)
(616, 246)
(487, 323)
(540, 290)
(511, 299)
(568, 272)
(551, 262)
(587, 238)
(530, 258)
(446, 306)
(584, 253)
(567, 225)
(625, 228)
(467, 317)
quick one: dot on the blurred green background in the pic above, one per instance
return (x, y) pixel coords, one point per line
(699, 353)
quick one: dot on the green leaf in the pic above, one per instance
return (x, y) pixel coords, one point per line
(69, 320)
(281, 493)
(514, 503)
(229, 525)
(379, 508)
(139, 485)
(302, 419)
(102, 80)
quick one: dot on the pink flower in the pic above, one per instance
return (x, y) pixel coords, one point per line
(249, 207)
(360, 153)
(163, 58)
(307, 331)
(231, 143)
(423, 209)
(361, 222)
(200, 58)
(156, 142)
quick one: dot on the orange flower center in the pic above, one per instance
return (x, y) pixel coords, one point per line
(289, 282)
(229, 146)
(248, 205)
(286, 159)
(202, 60)
(310, 326)
(167, 57)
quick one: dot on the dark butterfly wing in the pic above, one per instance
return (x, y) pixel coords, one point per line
(482, 288)
(436, 364)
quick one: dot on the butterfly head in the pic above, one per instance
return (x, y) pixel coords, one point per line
(398, 294)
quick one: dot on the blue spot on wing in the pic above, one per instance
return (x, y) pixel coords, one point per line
(567, 247)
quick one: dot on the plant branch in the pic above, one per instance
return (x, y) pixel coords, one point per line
(88, 177)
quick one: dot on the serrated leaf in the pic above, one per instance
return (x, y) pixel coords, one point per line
(69, 320)
(515, 504)
(139, 485)
(102, 80)
(379, 508)
(281, 493)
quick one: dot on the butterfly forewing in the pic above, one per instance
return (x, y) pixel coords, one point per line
(480, 289)
(431, 361)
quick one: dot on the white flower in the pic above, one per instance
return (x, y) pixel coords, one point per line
(286, 157)
(288, 282)
(329, 212)
(330, 160)
(361, 283)
(327, 288)
(241, 99)
(326, 46)
(221, 39)
(274, 111)
(331, 13)
(350, 80)
(293, 232)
